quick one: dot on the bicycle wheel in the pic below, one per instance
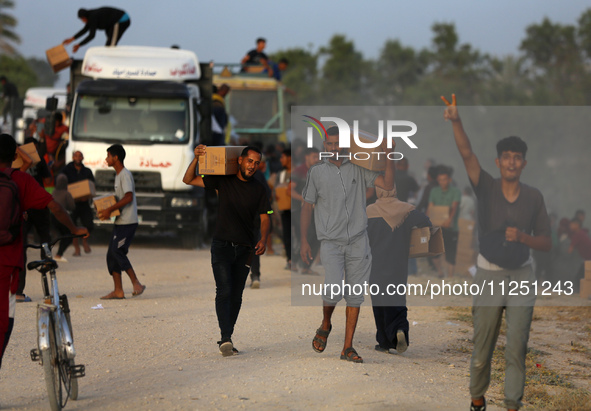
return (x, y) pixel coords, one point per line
(70, 384)
(51, 369)
(73, 383)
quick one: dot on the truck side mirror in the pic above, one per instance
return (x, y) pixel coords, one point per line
(51, 104)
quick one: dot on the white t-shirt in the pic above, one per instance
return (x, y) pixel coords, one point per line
(124, 184)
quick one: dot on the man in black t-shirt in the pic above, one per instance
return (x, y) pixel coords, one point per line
(512, 220)
(256, 57)
(241, 200)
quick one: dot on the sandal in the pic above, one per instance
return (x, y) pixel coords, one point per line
(351, 355)
(321, 343)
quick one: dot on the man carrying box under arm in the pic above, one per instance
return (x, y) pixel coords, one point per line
(124, 227)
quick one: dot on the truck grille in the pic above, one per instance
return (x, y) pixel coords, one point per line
(145, 181)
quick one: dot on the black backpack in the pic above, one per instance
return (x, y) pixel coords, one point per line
(10, 209)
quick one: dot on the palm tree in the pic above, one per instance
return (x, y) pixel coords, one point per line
(7, 23)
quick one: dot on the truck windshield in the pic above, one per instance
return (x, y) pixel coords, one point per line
(132, 120)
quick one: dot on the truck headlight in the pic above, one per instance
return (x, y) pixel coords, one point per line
(183, 202)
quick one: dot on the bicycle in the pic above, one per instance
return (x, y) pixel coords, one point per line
(55, 338)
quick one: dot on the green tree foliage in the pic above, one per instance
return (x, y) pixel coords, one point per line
(553, 67)
(45, 75)
(344, 74)
(302, 73)
(397, 70)
(18, 71)
(7, 25)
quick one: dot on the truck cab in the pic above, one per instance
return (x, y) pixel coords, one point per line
(156, 102)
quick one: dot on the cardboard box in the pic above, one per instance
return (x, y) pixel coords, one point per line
(58, 58)
(100, 203)
(363, 157)
(585, 288)
(426, 242)
(82, 189)
(31, 150)
(438, 214)
(588, 270)
(222, 160)
(283, 197)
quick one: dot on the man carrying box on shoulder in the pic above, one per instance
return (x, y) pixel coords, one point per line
(512, 219)
(241, 199)
(124, 227)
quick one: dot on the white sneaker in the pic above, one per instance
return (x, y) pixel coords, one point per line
(60, 260)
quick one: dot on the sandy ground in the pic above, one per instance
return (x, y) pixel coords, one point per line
(159, 352)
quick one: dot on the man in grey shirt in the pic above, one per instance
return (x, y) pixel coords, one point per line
(124, 227)
(335, 190)
(512, 219)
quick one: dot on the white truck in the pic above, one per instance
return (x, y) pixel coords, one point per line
(34, 107)
(156, 102)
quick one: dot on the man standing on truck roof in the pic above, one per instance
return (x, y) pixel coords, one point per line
(256, 57)
(113, 21)
(234, 243)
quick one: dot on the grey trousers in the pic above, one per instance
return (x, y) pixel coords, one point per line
(346, 264)
(487, 313)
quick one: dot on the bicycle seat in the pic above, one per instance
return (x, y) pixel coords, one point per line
(45, 265)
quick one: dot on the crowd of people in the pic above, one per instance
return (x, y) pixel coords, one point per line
(355, 222)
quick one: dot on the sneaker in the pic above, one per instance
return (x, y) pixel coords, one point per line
(478, 407)
(226, 348)
(401, 345)
(23, 298)
(255, 284)
(60, 260)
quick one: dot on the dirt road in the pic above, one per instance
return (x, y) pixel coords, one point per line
(159, 352)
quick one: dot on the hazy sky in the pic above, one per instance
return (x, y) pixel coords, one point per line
(224, 30)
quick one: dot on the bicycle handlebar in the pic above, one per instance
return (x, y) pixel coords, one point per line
(51, 244)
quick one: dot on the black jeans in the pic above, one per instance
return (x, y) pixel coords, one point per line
(229, 263)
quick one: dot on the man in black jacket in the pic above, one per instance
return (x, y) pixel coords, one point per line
(113, 21)
(77, 171)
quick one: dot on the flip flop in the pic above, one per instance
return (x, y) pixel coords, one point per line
(350, 355)
(135, 294)
(114, 297)
(321, 343)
